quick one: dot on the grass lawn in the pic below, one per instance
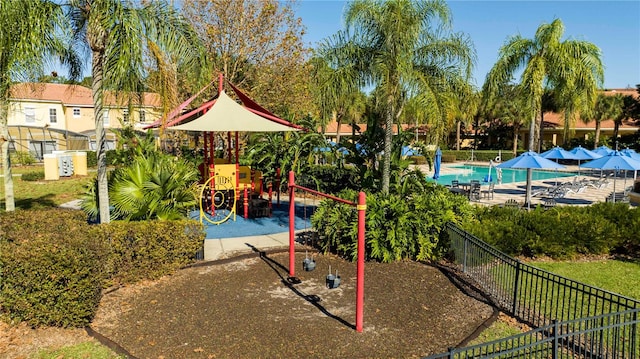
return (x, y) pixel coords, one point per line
(42, 194)
(90, 349)
(617, 276)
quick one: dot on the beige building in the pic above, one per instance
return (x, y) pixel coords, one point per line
(45, 117)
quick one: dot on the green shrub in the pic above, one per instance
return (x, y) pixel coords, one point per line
(54, 265)
(52, 268)
(448, 158)
(330, 179)
(32, 176)
(397, 226)
(150, 249)
(24, 158)
(92, 159)
(563, 232)
(418, 160)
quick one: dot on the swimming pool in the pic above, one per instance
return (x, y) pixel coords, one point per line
(467, 173)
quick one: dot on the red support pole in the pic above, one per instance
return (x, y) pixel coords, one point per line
(292, 225)
(229, 147)
(237, 147)
(278, 186)
(270, 189)
(361, 207)
(245, 203)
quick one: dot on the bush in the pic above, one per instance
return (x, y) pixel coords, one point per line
(330, 179)
(418, 160)
(603, 228)
(32, 176)
(150, 249)
(448, 158)
(52, 268)
(92, 159)
(397, 227)
(24, 158)
(54, 265)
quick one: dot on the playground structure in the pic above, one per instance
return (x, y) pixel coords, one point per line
(223, 180)
(332, 280)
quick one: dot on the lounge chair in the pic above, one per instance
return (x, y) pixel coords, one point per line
(511, 203)
(549, 203)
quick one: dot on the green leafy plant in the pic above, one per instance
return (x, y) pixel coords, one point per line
(24, 158)
(32, 176)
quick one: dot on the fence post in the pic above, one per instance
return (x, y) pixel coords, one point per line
(452, 352)
(554, 350)
(464, 254)
(634, 334)
(516, 289)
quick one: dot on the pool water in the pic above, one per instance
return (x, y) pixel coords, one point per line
(481, 173)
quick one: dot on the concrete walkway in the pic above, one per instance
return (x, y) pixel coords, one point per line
(220, 248)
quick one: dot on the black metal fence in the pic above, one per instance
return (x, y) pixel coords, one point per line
(585, 321)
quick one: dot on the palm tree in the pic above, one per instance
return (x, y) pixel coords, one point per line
(27, 40)
(546, 60)
(123, 38)
(605, 108)
(396, 47)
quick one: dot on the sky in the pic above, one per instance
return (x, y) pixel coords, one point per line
(614, 26)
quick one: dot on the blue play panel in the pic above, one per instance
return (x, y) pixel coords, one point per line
(277, 223)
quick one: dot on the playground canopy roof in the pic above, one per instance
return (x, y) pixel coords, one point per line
(227, 115)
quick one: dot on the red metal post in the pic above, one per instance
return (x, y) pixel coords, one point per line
(270, 189)
(292, 225)
(229, 146)
(278, 186)
(245, 203)
(237, 148)
(220, 81)
(361, 207)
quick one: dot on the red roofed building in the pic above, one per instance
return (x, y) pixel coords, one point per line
(44, 117)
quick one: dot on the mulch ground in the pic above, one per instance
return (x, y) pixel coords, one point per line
(246, 308)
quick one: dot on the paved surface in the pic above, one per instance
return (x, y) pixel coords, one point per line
(516, 190)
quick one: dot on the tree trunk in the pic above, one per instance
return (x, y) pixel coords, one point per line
(388, 138)
(597, 136)
(458, 126)
(541, 133)
(616, 127)
(336, 119)
(9, 199)
(101, 146)
(516, 133)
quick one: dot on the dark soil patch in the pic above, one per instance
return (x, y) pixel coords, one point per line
(247, 309)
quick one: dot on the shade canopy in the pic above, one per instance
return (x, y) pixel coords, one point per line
(603, 150)
(633, 154)
(614, 161)
(408, 151)
(558, 153)
(582, 153)
(529, 159)
(226, 115)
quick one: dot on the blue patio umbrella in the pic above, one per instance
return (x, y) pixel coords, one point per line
(558, 153)
(529, 160)
(437, 161)
(615, 160)
(582, 153)
(603, 150)
(408, 151)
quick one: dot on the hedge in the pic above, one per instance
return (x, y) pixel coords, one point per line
(54, 266)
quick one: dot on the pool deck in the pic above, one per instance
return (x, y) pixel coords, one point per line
(516, 190)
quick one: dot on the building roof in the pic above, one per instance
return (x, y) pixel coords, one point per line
(74, 95)
(556, 120)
